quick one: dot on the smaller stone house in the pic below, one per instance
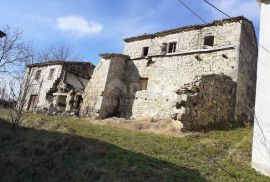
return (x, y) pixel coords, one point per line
(57, 86)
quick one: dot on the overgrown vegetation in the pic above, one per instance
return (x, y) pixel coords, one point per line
(47, 148)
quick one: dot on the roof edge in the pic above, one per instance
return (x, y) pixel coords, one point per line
(57, 63)
(186, 28)
(113, 55)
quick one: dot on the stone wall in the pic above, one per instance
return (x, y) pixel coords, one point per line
(167, 74)
(207, 103)
(247, 73)
(41, 87)
(106, 88)
(225, 34)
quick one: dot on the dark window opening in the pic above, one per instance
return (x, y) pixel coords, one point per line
(143, 82)
(209, 41)
(50, 77)
(62, 101)
(172, 47)
(38, 73)
(32, 102)
(145, 51)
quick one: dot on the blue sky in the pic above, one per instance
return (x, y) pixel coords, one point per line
(99, 26)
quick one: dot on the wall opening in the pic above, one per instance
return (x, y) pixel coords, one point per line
(145, 51)
(209, 41)
(38, 74)
(32, 102)
(62, 101)
(143, 82)
(172, 47)
(51, 73)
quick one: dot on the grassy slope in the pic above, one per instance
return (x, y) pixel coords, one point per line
(67, 149)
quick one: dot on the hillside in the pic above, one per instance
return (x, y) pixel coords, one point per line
(59, 148)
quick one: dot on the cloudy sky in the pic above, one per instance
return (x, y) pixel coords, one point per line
(98, 26)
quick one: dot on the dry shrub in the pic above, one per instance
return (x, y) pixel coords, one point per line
(159, 126)
(141, 126)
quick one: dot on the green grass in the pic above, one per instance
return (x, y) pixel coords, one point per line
(60, 148)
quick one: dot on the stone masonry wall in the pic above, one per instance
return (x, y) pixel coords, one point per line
(207, 103)
(226, 34)
(247, 75)
(106, 88)
(92, 98)
(167, 74)
(40, 87)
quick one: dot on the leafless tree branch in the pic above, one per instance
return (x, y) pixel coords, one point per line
(13, 51)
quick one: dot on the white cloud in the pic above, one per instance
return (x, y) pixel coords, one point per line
(78, 25)
(248, 8)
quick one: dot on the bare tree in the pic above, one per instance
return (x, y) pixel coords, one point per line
(57, 52)
(20, 88)
(15, 53)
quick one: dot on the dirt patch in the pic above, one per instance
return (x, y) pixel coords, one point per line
(162, 126)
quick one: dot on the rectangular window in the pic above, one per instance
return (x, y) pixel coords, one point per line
(51, 73)
(143, 83)
(163, 48)
(145, 51)
(209, 41)
(172, 47)
(38, 73)
(62, 100)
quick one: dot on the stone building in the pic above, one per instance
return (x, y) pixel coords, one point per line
(200, 75)
(57, 86)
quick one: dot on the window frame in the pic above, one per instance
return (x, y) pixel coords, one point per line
(142, 81)
(169, 47)
(205, 41)
(38, 74)
(51, 73)
(143, 51)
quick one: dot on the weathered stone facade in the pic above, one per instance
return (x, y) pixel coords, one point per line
(57, 86)
(200, 75)
(106, 88)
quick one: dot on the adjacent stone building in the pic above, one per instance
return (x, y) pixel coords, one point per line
(200, 75)
(57, 86)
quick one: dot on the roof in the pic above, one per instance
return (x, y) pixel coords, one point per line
(2, 34)
(58, 63)
(262, 1)
(186, 28)
(112, 55)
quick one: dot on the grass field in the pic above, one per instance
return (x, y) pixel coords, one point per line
(47, 148)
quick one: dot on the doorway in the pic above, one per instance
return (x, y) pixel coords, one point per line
(32, 102)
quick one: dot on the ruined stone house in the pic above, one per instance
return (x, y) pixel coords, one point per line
(57, 86)
(199, 75)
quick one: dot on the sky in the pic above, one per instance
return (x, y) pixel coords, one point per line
(93, 27)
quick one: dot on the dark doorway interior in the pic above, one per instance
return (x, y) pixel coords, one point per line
(32, 102)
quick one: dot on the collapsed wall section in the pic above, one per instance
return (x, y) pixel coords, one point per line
(207, 103)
